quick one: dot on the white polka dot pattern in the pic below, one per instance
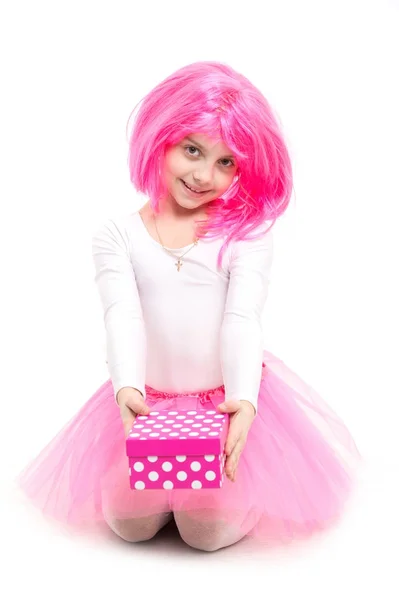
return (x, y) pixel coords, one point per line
(184, 421)
(193, 464)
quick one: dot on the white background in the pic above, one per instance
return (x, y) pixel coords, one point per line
(71, 74)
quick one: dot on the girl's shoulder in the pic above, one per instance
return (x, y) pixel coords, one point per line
(260, 236)
(124, 224)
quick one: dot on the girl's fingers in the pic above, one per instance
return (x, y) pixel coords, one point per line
(231, 468)
(228, 468)
(232, 440)
(233, 458)
(128, 419)
(129, 412)
(127, 425)
(229, 406)
(238, 448)
(138, 407)
(236, 432)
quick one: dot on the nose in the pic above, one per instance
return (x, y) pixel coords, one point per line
(203, 175)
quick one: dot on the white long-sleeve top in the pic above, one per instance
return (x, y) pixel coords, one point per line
(181, 331)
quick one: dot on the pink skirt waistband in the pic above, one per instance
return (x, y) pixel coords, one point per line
(204, 396)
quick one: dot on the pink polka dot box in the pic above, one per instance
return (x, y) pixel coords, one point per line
(177, 449)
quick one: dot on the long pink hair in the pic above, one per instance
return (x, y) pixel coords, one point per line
(212, 98)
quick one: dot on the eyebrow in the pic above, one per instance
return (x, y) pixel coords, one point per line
(202, 147)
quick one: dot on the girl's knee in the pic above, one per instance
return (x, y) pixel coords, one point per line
(138, 529)
(201, 532)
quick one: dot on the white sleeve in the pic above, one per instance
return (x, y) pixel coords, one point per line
(241, 332)
(126, 344)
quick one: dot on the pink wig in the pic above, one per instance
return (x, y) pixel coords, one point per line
(213, 99)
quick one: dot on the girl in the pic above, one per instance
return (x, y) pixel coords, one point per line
(183, 283)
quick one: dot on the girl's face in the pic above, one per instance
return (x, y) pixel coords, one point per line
(198, 170)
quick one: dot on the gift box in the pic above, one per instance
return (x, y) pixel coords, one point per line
(177, 449)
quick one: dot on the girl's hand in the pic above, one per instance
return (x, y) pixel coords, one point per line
(131, 404)
(243, 413)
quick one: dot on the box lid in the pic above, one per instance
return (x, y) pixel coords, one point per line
(178, 432)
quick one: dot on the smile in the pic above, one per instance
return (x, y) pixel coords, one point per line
(198, 193)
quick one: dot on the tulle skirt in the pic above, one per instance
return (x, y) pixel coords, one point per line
(294, 477)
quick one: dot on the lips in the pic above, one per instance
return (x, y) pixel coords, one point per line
(194, 190)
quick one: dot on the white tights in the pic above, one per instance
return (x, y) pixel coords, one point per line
(198, 532)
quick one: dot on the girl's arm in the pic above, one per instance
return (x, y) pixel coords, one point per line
(241, 333)
(123, 318)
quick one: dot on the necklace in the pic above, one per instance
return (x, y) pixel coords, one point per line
(179, 263)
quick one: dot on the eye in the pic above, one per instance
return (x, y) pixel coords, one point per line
(189, 148)
(229, 161)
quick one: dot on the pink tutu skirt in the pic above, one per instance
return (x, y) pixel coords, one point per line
(294, 477)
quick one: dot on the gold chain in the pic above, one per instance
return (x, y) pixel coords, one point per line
(179, 263)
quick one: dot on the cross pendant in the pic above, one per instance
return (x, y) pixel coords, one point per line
(179, 264)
